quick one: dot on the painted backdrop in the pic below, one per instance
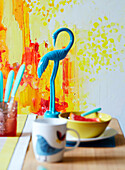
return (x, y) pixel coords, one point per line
(92, 74)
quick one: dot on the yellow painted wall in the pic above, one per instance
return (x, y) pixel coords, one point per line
(92, 74)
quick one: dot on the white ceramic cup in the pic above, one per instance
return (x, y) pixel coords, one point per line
(49, 139)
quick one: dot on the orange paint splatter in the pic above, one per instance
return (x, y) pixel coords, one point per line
(2, 51)
(45, 106)
(31, 54)
(62, 10)
(46, 44)
(65, 75)
(2, 28)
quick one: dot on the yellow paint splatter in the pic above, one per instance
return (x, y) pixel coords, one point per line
(38, 3)
(92, 79)
(43, 8)
(96, 24)
(81, 42)
(114, 49)
(110, 55)
(87, 62)
(119, 38)
(78, 58)
(115, 29)
(100, 19)
(95, 62)
(90, 33)
(104, 45)
(93, 29)
(105, 18)
(98, 35)
(112, 24)
(99, 47)
(85, 96)
(80, 52)
(99, 68)
(93, 44)
(108, 26)
(63, 2)
(81, 66)
(86, 70)
(108, 61)
(103, 35)
(111, 40)
(44, 23)
(91, 65)
(89, 39)
(57, 6)
(37, 8)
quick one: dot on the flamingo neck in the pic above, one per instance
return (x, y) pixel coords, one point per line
(71, 37)
(71, 41)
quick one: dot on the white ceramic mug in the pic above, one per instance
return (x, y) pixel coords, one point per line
(49, 139)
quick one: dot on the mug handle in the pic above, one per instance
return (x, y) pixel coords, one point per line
(77, 143)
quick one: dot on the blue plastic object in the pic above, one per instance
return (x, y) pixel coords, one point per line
(56, 56)
(1, 87)
(92, 111)
(17, 82)
(9, 85)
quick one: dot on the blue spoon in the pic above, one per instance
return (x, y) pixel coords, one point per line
(91, 111)
(9, 85)
(16, 84)
(1, 88)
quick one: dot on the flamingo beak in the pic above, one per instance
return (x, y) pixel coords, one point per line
(54, 42)
(54, 39)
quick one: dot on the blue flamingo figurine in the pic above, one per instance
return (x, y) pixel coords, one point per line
(55, 55)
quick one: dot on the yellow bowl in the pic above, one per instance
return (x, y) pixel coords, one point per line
(87, 129)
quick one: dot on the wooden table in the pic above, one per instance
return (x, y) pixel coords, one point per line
(85, 157)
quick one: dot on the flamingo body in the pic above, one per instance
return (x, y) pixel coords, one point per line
(42, 65)
(56, 56)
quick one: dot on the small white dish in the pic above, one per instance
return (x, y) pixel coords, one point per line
(109, 132)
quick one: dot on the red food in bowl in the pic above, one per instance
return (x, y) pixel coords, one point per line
(73, 116)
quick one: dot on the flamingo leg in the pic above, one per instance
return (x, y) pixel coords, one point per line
(52, 86)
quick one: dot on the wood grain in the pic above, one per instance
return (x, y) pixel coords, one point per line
(85, 158)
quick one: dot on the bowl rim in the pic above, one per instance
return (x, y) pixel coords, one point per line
(76, 121)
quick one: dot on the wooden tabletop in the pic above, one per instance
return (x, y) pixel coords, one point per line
(110, 158)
